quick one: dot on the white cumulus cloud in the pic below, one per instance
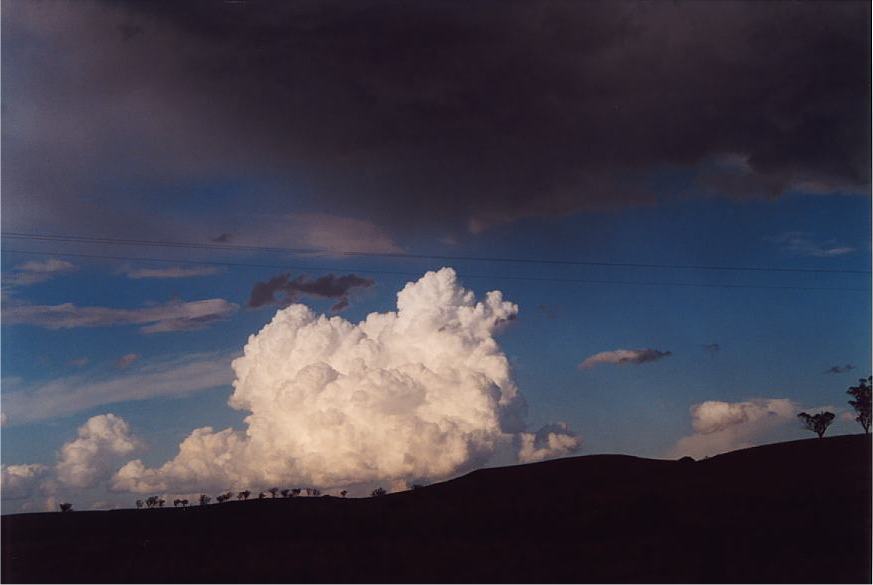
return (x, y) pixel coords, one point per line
(726, 426)
(420, 392)
(551, 441)
(19, 481)
(86, 459)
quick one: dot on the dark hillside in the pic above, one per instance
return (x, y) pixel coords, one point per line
(790, 512)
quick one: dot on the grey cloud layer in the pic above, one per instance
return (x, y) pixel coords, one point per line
(425, 112)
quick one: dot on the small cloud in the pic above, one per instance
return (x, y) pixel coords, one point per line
(126, 360)
(711, 348)
(78, 362)
(282, 290)
(548, 311)
(624, 357)
(801, 244)
(840, 369)
(171, 272)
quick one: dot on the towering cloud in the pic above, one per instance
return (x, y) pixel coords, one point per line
(420, 392)
(86, 459)
(550, 441)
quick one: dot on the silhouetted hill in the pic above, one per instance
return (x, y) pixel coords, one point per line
(789, 512)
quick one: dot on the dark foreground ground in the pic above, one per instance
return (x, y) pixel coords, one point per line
(790, 512)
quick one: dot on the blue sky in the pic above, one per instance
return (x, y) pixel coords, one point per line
(732, 149)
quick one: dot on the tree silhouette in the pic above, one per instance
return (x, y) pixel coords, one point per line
(314, 492)
(204, 499)
(295, 492)
(273, 491)
(161, 503)
(285, 493)
(138, 504)
(818, 423)
(184, 503)
(343, 493)
(861, 402)
(262, 495)
(66, 507)
(378, 492)
(151, 501)
(176, 502)
(243, 495)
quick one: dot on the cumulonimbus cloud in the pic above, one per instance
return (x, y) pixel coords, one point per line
(166, 317)
(289, 290)
(420, 392)
(371, 135)
(724, 426)
(623, 357)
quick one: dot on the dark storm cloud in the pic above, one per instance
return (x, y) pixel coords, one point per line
(426, 113)
(283, 290)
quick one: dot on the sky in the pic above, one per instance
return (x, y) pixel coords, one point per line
(254, 244)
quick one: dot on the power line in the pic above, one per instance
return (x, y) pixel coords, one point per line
(417, 274)
(403, 255)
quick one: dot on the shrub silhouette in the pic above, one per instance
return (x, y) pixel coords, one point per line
(204, 499)
(378, 492)
(66, 507)
(861, 402)
(817, 423)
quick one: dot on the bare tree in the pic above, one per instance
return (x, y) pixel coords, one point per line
(66, 507)
(378, 492)
(861, 402)
(818, 423)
